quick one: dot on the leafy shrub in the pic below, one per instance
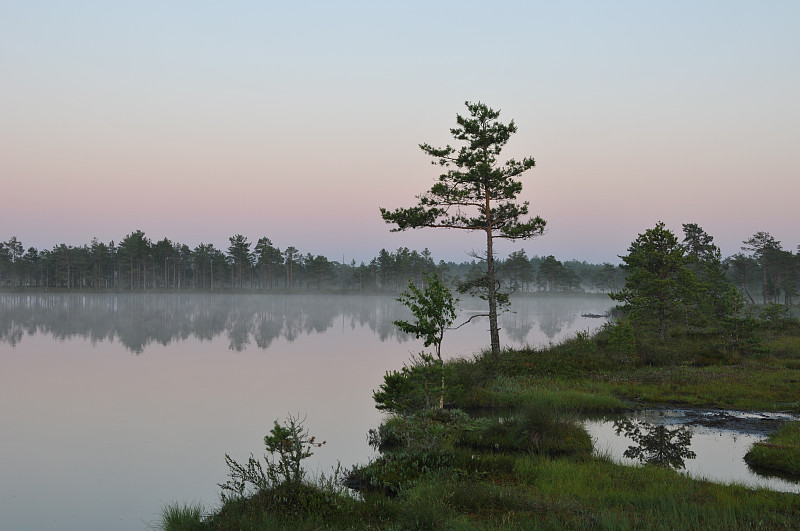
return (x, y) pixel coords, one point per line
(411, 388)
(425, 431)
(398, 471)
(287, 446)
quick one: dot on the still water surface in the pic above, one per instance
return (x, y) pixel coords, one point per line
(115, 405)
(719, 440)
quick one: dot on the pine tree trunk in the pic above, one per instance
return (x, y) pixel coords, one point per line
(491, 286)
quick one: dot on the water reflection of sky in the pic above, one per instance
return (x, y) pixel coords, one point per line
(116, 405)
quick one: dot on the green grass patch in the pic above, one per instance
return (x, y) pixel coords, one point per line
(558, 395)
(182, 517)
(780, 452)
(784, 346)
(529, 430)
(560, 493)
(623, 497)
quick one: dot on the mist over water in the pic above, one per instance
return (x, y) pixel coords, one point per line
(115, 405)
(257, 321)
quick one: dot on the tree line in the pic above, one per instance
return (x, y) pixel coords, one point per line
(138, 263)
(763, 271)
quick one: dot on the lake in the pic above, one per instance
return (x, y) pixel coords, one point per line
(116, 405)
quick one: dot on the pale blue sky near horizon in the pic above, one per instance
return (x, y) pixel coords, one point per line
(296, 121)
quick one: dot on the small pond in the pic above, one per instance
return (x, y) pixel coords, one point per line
(709, 444)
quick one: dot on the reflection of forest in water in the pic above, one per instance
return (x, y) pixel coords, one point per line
(551, 319)
(551, 316)
(137, 320)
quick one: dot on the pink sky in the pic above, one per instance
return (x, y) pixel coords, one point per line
(298, 123)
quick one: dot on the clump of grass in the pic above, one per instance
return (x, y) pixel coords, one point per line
(426, 506)
(484, 464)
(533, 429)
(780, 453)
(553, 394)
(282, 507)
(572, 358)
(182, 517)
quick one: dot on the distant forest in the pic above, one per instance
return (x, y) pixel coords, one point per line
(764, 271)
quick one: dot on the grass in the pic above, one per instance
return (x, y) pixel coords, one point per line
(506, 453)
(780, 453)
(184, 517)
(538, 493)
(590, 375)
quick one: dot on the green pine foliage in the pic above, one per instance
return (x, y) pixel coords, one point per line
(659, 281)
(476, 193)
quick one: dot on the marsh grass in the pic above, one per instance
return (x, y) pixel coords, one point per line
(656, 497)
(588, 375)
(564, 493)
(765, 384)
(507, 391)
(529, 429)
(779, 453)
(182, 517)
(784, 346)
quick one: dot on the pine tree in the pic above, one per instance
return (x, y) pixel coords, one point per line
(477, 193)
(658, 279)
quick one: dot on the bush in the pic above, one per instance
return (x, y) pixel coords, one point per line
(430, 430)
(410, 389)
(287, 446)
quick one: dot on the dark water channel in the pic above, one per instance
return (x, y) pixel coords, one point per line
(708, 444)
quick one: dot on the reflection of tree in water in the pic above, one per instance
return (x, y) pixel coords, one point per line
(239, 326)
(207, 316)
(137, 320)
(656, 444)
(268, 327)
(387, 312)
(551, 314)
(551, 322)
(11, 333)
(517, 324)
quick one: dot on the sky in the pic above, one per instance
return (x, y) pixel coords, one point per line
(198, 120)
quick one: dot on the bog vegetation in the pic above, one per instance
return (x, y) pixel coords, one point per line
(492, 442)
(506, 451)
